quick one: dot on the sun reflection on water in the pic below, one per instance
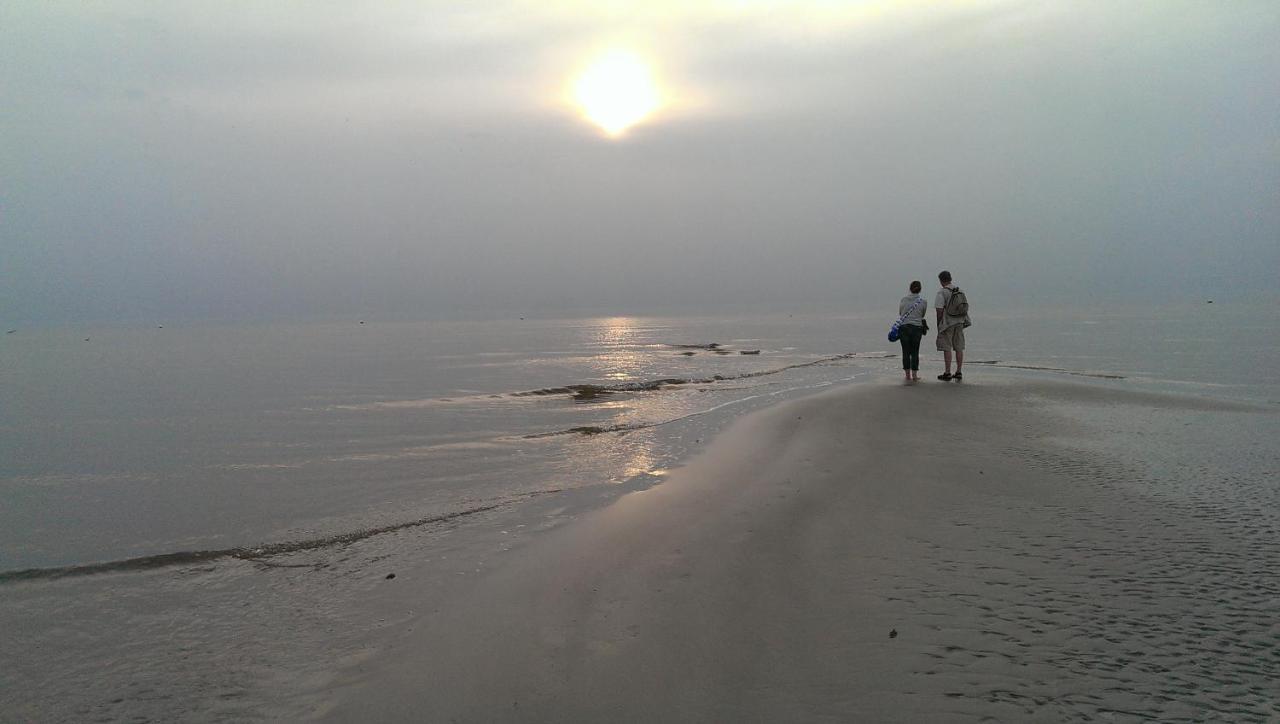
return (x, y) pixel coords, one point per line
(619, 359)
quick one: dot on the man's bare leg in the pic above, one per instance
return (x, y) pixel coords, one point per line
(946, 359)
(959, 360)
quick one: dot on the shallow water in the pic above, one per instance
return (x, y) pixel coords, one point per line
(127, 442)
(146, 442)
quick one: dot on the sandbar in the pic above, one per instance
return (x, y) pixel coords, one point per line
(959, 552)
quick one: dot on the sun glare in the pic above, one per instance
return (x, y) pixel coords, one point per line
(617, 91)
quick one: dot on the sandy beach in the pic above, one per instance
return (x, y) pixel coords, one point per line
(1012, 551)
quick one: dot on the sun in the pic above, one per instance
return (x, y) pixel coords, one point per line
(617, 91)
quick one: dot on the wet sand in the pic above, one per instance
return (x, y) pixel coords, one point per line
(1016, 550)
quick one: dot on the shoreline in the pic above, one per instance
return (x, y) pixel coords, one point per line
(762, 581)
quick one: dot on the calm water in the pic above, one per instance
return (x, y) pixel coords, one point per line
(133, 442)
(124, 442)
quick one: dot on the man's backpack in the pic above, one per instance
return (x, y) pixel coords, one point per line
(957, 303)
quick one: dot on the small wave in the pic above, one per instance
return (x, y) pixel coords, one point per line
(258, 466)
(256, 553)
(715, 347)
(597, 430)
(709, 346)
(418, 451)
(464, 399)
(1096, 375)
(76, 479)
(593, 391)
(587, 392)
(587, 430)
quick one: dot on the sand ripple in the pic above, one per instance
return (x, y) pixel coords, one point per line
(1146, 589)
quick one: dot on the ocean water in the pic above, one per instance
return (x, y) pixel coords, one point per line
(125, 442)
(195, 520)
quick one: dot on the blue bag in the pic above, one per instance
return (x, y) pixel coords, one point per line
(893, 331)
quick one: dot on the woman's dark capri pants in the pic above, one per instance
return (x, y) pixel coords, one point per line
(909, 335)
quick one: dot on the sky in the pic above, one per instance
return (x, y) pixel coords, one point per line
(249, 160)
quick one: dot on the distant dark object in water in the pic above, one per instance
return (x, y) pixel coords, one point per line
(362, 321)
(579, 392)
(1210, 301)
(588, 392)
(893, 633)
(588, 430)
(86, 339)
(159, 326)
(389, 575)
(11, 331)
(748, 351)
(688, 354)
(711, 346)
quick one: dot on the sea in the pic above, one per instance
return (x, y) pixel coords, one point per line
(157, 479)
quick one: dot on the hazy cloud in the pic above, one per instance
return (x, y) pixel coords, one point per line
(266, 159)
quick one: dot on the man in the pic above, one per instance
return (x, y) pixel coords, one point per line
(950, 329)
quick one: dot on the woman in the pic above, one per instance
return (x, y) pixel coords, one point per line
(912, 327)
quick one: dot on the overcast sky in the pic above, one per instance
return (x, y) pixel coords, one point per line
(251, 160)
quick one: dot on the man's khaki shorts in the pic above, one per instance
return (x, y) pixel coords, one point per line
(951, 339)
